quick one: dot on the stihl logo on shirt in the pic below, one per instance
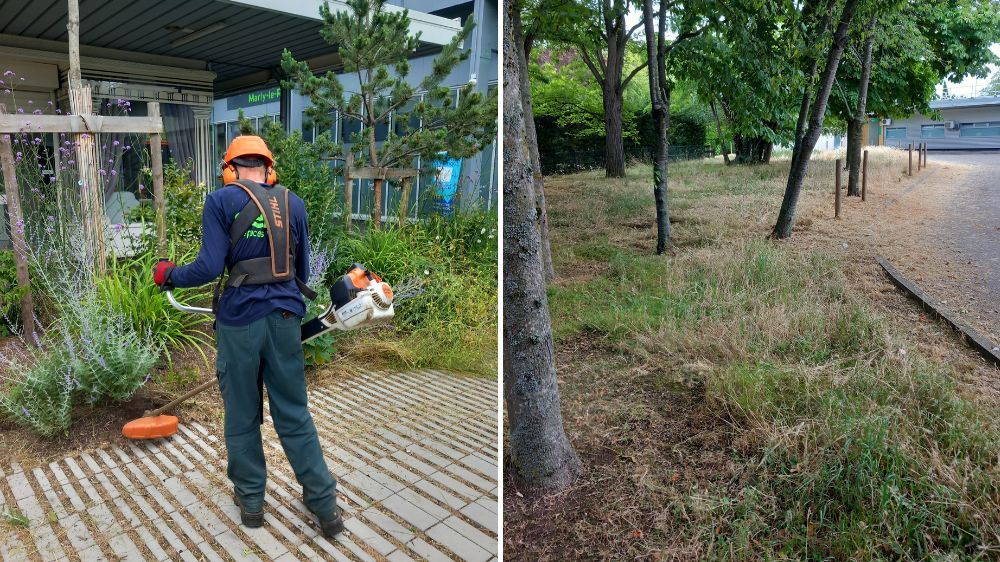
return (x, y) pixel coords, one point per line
(276, 211)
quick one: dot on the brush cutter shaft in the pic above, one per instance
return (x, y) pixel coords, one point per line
(184, 307)
(196, 390)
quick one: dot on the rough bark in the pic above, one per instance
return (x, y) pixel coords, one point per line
(614, 141)
(541, 457)
(609, 70)
(13, 196)
(660, 100)
(804, 146)
(855, 127)
(531, 138)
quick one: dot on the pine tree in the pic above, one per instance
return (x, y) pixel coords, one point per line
(374, 43)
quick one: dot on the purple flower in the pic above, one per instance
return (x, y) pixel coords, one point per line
(115, 143)
(142, 187)
(51, 218)
(24, 410)
(6, 92)
(114, 172)
(20, 110)
(103, 363)
(118, 227)
(8, 73)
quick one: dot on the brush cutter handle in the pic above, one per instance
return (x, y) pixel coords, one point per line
(184, 307)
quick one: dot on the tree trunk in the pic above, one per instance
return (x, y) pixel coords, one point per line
(855, 128)
(751, 150)
(531, 137)
(614, 147)
(661, 122)
(541, 457)
(804, 147)
(718, 132)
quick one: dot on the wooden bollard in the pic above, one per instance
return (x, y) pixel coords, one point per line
(925, 155)
(909, 169)
(836, 191)
(920, 157)
(864, 174)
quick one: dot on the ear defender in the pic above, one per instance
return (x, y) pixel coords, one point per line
(229, 175)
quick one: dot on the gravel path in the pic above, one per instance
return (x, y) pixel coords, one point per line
(415, 455)
(955, 251)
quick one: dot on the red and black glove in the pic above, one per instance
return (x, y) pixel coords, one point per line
(161, 273)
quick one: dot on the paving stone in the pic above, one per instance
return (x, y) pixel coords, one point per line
(398, 471)
(457, 543)
(90, 462)
(432, 509)
(365, 534)
(399, 556)
(436, 493)
(414, 463)
(369, 487)
(19, 485)
(183, 495)
(478, 482)
(110, 462)
(402, 532)
(124, 548)
(454, 485)
(477, 462)
(427, 552)
(67, 487)
(481, 515)
(91, 554)
(473, 534)
(75, 468)
(409, 512)
(489, 504)
(154, 547)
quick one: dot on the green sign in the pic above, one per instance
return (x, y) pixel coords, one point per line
(253, 98)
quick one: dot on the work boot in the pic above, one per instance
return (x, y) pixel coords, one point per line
(331, 527)
(251, 519)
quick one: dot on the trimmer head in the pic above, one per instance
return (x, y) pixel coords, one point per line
(152, 427)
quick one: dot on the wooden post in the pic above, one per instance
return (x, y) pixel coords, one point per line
(920, 157)
(925, 155)
(348, 190)
(836, 191)
(376, 216)
(80, 103)
(864, 174)
(17, 234)
(909, 169)
(156, 161)
(404, 201)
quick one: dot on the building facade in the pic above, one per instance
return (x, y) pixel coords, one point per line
(961, 124)
(185, 55)
(478, 174)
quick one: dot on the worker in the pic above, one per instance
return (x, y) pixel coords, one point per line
(257, 230)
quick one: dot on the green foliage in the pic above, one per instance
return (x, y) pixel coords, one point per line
(375, 44)
(444, 274)
(319, 351)
(10, 294)
(129, 292)
(184, 202)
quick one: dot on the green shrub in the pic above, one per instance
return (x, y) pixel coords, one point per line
(129, 291)
(10, 294)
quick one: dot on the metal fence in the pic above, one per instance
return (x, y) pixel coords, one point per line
(579, 160)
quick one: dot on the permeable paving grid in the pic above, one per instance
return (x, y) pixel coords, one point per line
(415, 456)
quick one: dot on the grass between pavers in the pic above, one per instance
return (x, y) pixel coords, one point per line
(741, 400)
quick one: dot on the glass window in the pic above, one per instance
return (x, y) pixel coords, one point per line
(404, 120)
(932, 131)
(347, 127)
(981, 129)
(895, 133)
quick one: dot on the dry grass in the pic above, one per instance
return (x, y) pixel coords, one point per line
(746, 398)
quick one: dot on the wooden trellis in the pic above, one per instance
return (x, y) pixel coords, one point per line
(378, 176)
(83, 125)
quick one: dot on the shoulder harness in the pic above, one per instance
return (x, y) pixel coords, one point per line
(272, 204)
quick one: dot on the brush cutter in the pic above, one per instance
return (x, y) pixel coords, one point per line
(359, 299)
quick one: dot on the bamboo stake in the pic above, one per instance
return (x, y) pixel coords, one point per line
(17, 234)
(909, 169)
(81, 104)
(156, 161)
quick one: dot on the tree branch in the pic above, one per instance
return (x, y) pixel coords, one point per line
(633, 73)
(590, 64)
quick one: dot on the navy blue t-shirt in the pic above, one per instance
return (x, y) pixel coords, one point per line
(242, 305)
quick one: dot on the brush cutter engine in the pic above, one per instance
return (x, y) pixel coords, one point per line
(359, 299)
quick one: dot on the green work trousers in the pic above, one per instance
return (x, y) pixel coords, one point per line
(268, 352)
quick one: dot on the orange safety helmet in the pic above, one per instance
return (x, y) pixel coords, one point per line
(247, 145)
